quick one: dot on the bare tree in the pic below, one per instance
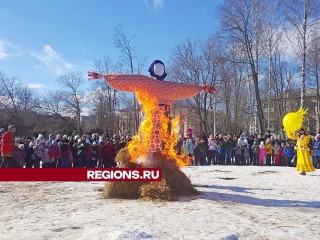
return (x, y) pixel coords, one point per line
(51, 105)
(243, 23)
(124, 43)
(16, 100)
(303, 16)
(104, 98)
(53, 114)
(196, 63)
(237, 96)
(281, 86)
(314, 65)
(273, 36)
(72, 96)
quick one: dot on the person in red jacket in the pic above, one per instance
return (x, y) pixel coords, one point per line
(107, 152)
(7, 147)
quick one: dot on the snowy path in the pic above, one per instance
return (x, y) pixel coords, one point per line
(236, 203)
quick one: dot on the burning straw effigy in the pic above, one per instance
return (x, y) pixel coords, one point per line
(153, 146)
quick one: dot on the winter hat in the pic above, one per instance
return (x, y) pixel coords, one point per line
(11, 126)
(40, 137)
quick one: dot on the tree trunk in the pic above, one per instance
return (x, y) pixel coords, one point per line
(79, 124)
(318, 98)
(269, 86)
(304, 55)
(254, 70)
(136, 114)
(261, 119)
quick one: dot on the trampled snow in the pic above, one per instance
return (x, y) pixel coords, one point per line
(235, 202)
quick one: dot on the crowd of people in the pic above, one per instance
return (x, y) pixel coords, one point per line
(259, 150)
(91, 151)
(60, 151)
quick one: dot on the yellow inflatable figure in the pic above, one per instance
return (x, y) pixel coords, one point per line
(293, 121)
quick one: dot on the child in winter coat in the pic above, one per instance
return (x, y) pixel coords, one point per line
(202, 149)
(64, 155)
(269, 150)
(289, 153)
(246, 154)
(39, 151)
(238, 153)
(316, 152)
(220, 151)
(46, 159)
(184, 149)
(191, 146)
(30, 156)
(107, 151)
(282, 155)
(54, 154)
(185, 153)
(255, 152)
(20, 156)
(262, 154)
(94, 155)
(212, 151)
(276, 154)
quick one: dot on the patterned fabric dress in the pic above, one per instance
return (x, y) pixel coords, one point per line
(304, 162)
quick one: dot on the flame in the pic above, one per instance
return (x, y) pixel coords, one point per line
(171, 140)
(140, 143)
(139, 147)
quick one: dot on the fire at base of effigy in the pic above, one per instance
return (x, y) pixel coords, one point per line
(153, 147)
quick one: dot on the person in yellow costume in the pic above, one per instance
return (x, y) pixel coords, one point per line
(269, 149)
(304, 163)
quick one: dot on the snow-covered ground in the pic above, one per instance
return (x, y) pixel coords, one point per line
(246, 202)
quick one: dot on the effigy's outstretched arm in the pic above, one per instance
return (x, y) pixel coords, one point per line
(175, 90)
(123, 82)
(130, 82)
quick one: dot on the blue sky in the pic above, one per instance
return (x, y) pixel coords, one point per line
(42, 39)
